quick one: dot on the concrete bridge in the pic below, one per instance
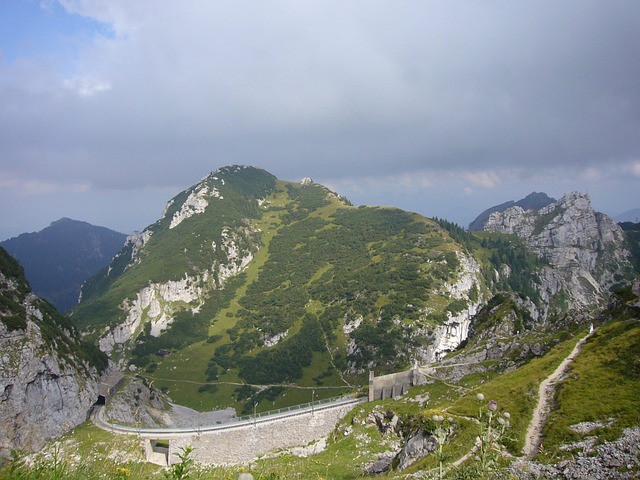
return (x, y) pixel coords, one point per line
(242, 440)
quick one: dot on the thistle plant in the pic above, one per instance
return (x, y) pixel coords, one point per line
(493, 426)
(441, 432)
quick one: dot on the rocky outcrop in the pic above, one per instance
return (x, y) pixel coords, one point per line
(585, 249)
(533, 201)
(618, 459)
(197, 201)
(153, 304)
(157, 303)
(410, 445)
(46, 386)
(455, 330)
(416, 447)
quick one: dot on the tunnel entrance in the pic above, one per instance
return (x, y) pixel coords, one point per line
(108, 387)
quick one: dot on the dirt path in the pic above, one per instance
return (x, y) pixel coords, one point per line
(545, 395)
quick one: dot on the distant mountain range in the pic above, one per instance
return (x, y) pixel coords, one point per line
(629, 216)
(59, 258)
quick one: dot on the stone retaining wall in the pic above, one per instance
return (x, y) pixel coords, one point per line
(243, 444)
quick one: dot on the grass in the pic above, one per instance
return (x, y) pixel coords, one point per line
(516, 392)
(84, 453)
(602, 384)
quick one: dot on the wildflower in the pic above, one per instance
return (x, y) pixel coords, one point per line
(507, 415)
(480, 397)
(501, 421)
(122, 472)
(493, 405)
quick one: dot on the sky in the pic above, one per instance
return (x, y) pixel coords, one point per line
(110, 108)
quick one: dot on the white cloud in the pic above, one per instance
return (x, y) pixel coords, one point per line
(35, 187)
(486, 179)
(86, 86)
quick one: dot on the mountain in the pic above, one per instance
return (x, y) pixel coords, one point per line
(533, 201)
(585, 250)
(257, 293)
(248, 281)
(48, 376)
(59, 258)
(474, 424)
(629, 216)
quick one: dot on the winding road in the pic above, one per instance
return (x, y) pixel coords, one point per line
(97, 416)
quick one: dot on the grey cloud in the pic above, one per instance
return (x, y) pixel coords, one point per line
(329, 89)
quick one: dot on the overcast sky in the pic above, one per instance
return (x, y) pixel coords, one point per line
(110, 108)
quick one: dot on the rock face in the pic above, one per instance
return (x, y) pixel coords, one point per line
(583, 248)
(455, 330)
(197, 201)
(47, 381)
(533, 201)
(416, 448)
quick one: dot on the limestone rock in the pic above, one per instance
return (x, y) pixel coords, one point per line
(43, 394)
(455, 330)
(585, 249)
(381, 465)
(416, 448)
(157, 303)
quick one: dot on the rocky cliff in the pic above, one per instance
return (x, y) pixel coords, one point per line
(533, 201)
(585, 250)
(48, 379)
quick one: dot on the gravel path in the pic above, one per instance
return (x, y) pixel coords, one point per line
(545, 395)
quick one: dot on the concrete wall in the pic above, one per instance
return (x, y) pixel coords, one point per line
(243, 444)
(389, 386)
(395, 384)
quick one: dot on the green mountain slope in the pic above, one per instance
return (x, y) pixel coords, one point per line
(250, 280)
(593, 405)
(252, 290)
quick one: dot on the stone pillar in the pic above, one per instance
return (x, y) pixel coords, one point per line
(371, 386)
(148, 449)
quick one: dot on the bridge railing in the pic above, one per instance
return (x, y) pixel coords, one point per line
(231, 423)
(292, 408)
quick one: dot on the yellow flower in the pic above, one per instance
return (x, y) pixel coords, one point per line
(123, 472)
